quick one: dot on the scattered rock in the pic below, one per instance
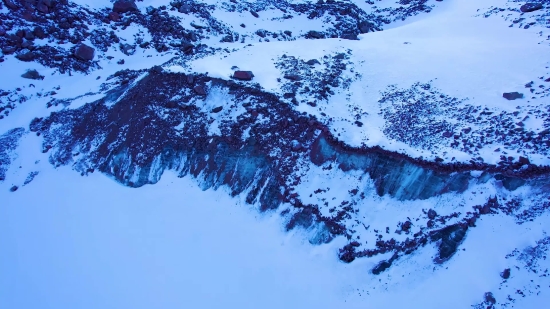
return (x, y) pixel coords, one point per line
(32, 74)
(512, 95)
(84, 52)
(530, 7)
(123, 6)
(243, 75)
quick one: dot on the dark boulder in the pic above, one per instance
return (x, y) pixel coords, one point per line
(432, 214)
(505, 274)
(512, 95)
(315, 35)
(26, 55)
(217, 109)
(523, 160)
(32, 74)
(127, 49)
(157, 69)
(187, 47)
(123, 6)
(9, 50)
(451, 237)
(293, 77)
(254, 14)
(380, 267)
(530, 7)
(13, 189)
(365, 27)
(84, 52)
(42, 7)
(313, 62)
(11, 4)
(184, 8)
(114, 16)
(39, 32)
(199, 90)
(243, 75)
(490, 298)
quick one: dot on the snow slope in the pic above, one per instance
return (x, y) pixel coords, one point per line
(88, 242)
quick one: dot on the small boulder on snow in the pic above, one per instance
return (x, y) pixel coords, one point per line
(123, 6)
(243, 75)
(530, 7)
(512, 95)
(84, 52)
(32, 74)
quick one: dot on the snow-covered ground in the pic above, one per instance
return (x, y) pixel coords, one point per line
(461, 54)
(88, 242)
(430, 86)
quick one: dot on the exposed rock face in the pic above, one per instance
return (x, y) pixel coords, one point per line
(123, 6)
(84, 52)
(389, 174)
